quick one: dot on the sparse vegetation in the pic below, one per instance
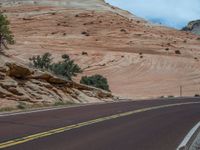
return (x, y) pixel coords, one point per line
(97, 81)
(141, 55)
(42, 62)
(65, 68)
(138, 21)
(170, 96)
(21, 105)
(6, 109)
(85, 33)
(167, 49)
(60, 103)
(123, 30)
(53, 13)
(84, 53)
(177, 52)
(6, 36)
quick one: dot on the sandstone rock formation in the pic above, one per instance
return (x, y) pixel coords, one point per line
(140, 60)
(18, 85)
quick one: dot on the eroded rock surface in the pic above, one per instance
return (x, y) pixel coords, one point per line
(19, 84)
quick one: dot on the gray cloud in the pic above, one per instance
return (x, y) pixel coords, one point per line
(174, 13)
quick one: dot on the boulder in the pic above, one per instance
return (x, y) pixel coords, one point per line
(18, 71)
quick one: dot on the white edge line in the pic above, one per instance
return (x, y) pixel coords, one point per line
(45, 109)
(188, 137)
(7, 114)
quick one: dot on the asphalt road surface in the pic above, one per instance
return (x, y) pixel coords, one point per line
(143, 125)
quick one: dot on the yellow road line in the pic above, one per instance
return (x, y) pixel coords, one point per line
(78, 125)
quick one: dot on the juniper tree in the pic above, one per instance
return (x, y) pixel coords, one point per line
(66, 68)
(97, 81)
(42, 62)
(6, 36)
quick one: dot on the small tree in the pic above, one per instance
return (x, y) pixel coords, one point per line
(42, 62)
(6, 36)
(66, 68)
(97, 81)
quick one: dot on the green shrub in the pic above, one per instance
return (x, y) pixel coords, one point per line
(97, 81)
(42, 62)
(6, 36)
(6, 109)
(65, 68)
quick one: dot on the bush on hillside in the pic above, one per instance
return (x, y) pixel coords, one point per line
(97, 81)
(42, 62)
(65, 68)
(6, 36)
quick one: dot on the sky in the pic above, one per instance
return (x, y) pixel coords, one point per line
(172, 13)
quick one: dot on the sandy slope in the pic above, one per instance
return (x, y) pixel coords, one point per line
(138, 58)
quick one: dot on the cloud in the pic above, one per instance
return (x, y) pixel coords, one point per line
(173, 13)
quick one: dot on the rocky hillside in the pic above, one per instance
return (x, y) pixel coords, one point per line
(139, 59)
(193, 26)
(22, 87)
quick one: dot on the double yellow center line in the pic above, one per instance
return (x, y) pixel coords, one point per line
(78, 125)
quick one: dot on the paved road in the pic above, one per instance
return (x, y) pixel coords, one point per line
(158, 128)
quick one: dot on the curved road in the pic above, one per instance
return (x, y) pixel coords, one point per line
(143, 125)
